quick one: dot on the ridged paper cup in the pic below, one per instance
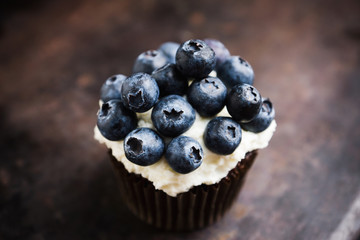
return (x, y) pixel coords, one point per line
(200, 206)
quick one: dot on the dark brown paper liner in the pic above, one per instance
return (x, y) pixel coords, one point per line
(197, 208)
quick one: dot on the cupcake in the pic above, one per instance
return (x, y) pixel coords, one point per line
(182, 138)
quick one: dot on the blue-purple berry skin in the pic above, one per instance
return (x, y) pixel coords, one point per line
(207, 96)
(148, 61)
(169, 50)
(111, 89)
(143, 146)
(139, 92)
(221, 52)
(236, 70)
(184, 154)
(195, 59)
(115, 121)
(170, 80)
(243, 102)
(263, 120)
(222, 135)
(172, 115)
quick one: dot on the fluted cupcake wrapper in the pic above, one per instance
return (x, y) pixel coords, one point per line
(197, 208)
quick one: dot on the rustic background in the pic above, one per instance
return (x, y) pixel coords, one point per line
(56, 181)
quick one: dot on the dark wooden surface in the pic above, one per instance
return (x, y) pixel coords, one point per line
(56, 181)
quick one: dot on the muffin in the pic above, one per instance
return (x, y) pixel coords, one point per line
(180, 152)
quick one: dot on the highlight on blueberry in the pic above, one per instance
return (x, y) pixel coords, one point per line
(236, 70)
(111, 89)
(221, 52)
(207, 96)
(172, 116)
(222, 135)
(115, 121)
(143, 146)
(263, 119)
(139, 92)
(243, 102)
(195, 59)
(169, 50)
(170, 81)
(184, 154)
(148, 61)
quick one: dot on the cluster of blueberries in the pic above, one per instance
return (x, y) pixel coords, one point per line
(159, 81)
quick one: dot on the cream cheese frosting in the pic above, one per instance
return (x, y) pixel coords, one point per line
(213, 168)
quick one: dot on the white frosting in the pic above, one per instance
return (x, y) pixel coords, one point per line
(213, 168)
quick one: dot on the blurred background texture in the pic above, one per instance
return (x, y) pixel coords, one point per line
(56, 181)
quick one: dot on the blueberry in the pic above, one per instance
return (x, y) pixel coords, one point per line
(143, 146)
(169, 50)
(195, 59)
(172, 115)
(170, 80)
(207, 96)
(111, 89)
(262, 120)
(221, 52)
(115, 121)
(148, 61)
(236, 70)
(139, 92)
(184, 154)
(243, 102)
(222, 135)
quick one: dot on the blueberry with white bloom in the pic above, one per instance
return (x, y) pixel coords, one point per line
(169, 50)
(115, 121)
(263, 119)
(184, 154)
(143, 146)
(243, 102)
(172, 116)
(111, 89)
(148, 61)
(207, 96)
(236, 70)
(222, 135)
(195, 59)
(139, 92)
